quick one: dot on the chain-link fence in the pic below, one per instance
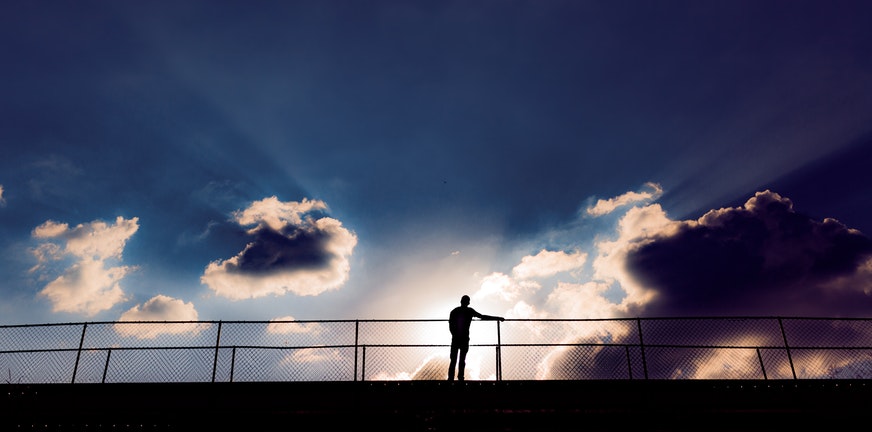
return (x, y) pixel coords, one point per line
(366, 350)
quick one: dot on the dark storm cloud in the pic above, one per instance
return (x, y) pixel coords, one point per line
(739, 284)
(760, 259)
(272, 250)
(290, 251)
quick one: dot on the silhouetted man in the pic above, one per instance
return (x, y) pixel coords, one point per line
(458, 323)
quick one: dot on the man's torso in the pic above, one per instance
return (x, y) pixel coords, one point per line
(460, 320)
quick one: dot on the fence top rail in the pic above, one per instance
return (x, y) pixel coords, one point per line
(675, 318)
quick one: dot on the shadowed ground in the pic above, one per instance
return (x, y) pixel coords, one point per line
(650, 405)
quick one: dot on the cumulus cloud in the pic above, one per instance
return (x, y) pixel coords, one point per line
(582, 300)
(2, 199)
(160, 308)
(90, 284)
(548, 263)
(504, 287)
(603, 207)
(525, 279)
(762, 258)
(50, 229)
(637, 226)
(576, 294)
(291, 251)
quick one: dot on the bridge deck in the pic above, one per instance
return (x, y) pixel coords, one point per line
(652, 405)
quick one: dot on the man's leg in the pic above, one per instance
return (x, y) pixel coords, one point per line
(462, 365)
(453, 364)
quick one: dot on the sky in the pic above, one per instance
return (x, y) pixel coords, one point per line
(316, 160)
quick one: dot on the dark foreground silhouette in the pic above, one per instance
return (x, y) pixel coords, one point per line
(614, 405)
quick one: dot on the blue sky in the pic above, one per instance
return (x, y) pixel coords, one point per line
(219, 160)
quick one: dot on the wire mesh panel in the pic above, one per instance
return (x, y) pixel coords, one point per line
(34, 367)
(160, 365)
(756, 332)
(399, 363)
(703, 363)
(92, 365)
(776, 363)
(294, 364)
(570, 349)
(39, 353)
(569, 331)
(224, 363)
(817, 332)
(416, 332)
(139, 334)
(287, 333)
(570, 362)
(526, 362)
(811, 363)
(40, 337)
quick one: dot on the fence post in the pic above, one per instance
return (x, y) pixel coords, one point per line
(762, 367)
(356, 341)
(363, 365)
(217, 345)
(106, 366)
(79, 353)
(232, 363)
(499, 355)
(642, 346)
(787, 347)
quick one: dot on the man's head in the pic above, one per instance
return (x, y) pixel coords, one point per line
(464, 300)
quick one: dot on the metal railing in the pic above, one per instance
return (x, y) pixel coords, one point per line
(362, 350)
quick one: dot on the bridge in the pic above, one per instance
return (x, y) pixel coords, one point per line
(664, 374)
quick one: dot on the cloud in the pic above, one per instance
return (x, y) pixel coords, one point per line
(582, 300)
(50, 229)
(2, 200)
(637, 225)
(283, 326)
(160, 308)
(762, 258)
(88, 285)
(548, 263)
(544, 264)
(313, 355)
(759, 259)
(276, 214)
(504, 287)
(290, 252)
(604, 207)
(434, 368)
